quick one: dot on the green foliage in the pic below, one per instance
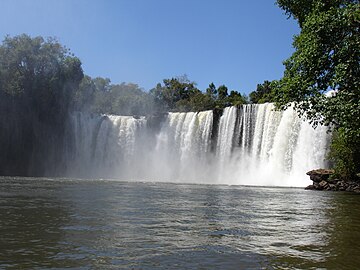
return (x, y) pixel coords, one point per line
(84, 94)
(175, 94)
(264, 92)
(40, 74)
(345, 155)
(130, 99)
(222, 92)
(38, 81)
(327, 57)
(100, 96)
(211, 91)
(201, 102)
(301, 9)
(235, 98)
(180, 94)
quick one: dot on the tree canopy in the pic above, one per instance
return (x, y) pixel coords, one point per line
(326, 57)
(264, 92)
(98, 95)
(38, 78)
(181, 94)
(40, 74)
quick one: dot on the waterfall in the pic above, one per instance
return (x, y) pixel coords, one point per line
(253, 145)
(274, 148)
(183, 147)
(104, 145)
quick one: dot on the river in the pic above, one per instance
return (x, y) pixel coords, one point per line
(104, 224)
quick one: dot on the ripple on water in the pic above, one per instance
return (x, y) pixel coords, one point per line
(47, 223)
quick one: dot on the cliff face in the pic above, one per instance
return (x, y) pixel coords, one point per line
(29, 145)
(322, 180)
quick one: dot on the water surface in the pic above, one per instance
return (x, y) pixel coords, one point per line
(61, 223)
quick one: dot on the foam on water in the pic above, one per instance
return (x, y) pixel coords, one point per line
(253, 145)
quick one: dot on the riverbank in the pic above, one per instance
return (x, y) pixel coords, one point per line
(322, 180)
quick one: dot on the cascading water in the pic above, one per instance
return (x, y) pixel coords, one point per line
(279, 150)
(104, 146)
(183, 148)
(253, 145)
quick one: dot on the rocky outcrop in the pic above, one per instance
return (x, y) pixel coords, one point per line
(322, 181)
(320, 175)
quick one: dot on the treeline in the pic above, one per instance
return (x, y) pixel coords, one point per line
(98, 95)
(44, 77)
(176, 94)
(41, 82)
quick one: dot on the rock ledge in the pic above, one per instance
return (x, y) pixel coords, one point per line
(322, 181)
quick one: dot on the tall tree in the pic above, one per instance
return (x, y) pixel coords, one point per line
(222, 92)
(175, 93)
(326, 57)
(38, 79)
(42, 74)
(211, 91)
(235, 98)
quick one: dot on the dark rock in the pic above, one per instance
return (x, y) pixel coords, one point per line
(323, 184)
(320, 175)
(322, 181)
(155, 121)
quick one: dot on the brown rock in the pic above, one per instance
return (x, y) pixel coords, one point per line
(320, 175)
(323, 184)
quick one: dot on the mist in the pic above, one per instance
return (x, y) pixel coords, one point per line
(253, 145)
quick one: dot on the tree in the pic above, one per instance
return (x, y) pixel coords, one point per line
(222, 92)
(201, 102)
(263, 93)
(38, 80)
(211, 91)
(180, 94)
(235, 98)
(41, 74)
(175, 94)
(98, 95)
(326, 57)
(84, 95)
(130, 99)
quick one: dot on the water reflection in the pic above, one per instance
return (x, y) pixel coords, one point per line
(343, 232)
(31, 218)
(98, 224)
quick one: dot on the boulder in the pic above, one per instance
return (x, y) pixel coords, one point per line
(323, 184)
(322, 181)
(320, 175)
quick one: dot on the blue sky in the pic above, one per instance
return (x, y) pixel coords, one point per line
(233, 42)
